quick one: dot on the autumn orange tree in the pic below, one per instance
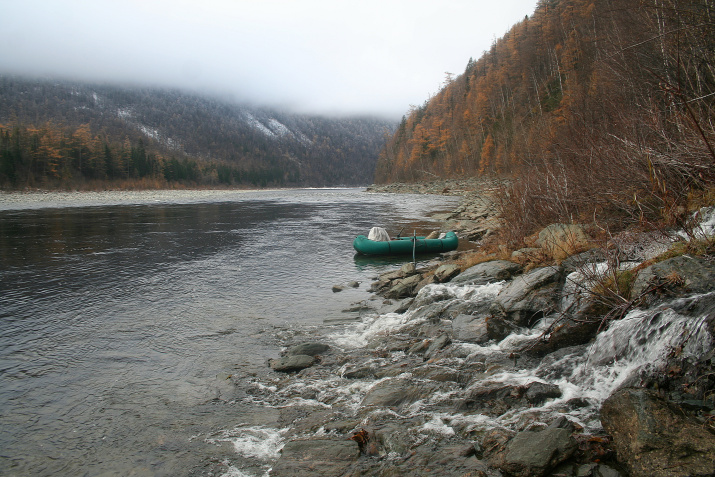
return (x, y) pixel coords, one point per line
(56, 156)
(590, 108)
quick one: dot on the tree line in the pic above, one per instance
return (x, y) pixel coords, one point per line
(56, 156)
(588, 107)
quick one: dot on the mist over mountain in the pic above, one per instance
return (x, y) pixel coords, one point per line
(223, 142)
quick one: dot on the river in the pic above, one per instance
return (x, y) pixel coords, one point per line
(129, 320)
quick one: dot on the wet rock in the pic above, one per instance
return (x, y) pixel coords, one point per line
(532, 453)
(428, 280)
(436, 345)
(436, 294)
(678, 274)
(419, 347)
(654, 438)
(446, 272)
(579, 260)
(490, 398)
(309, 349)
(566, 332)
(404, 288)
(487, 272)
(354, 284)
(537, 393)
(395, 393)
(318, 457)
(393, 438)
(361, 372)
(470, 328)
(338, 288)
(498, 328)
(288, 364)
(438, 373)
(530, 296)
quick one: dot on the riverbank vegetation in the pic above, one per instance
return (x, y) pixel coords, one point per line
(593, 111)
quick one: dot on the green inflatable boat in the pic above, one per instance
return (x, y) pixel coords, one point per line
(405, 245)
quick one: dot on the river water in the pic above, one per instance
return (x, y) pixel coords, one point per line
(126, 319)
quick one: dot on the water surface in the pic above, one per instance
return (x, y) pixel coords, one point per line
(126, 318)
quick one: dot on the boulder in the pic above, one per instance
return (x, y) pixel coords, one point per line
(656, 439)
(487, 272)
(498, 328)
(530, 296)
(396, 393)
(470, 328)
(446, 272)
(533, 454)
(677, 274)
(537, 393)
(316, 457)
(565, 333)
(404, 288)
(288, 364)
(491, 398)
(309, 349)
(563, 240)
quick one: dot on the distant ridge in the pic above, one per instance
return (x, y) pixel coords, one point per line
(258, 146)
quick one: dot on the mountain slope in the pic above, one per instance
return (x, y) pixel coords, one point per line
(588, 106)
(292, 149)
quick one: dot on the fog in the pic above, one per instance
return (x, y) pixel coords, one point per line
(319, 56)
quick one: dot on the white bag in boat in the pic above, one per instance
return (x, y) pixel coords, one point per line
(378, 234)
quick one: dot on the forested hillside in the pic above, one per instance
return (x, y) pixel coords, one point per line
(65, 134)
(589, 106)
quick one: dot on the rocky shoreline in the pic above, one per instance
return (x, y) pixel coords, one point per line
(507, 368)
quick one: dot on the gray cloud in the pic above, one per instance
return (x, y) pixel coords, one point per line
(326, 56)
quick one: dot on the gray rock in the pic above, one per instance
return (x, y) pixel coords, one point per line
(498, 328)
(535, 453)
(530, 296)
(577, 261)
(656, 439)
(310, 349)
(487, 272)
(291, 363)
(537, 393)
(404, 287)
(491, 398)
(685, 273)
(567, 332)
(470, 328)
(446, 272)
(396, 393)
(318, 457)
(437, 344)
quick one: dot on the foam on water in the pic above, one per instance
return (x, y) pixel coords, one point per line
(258, 442)
(376, 325)
(639, 342)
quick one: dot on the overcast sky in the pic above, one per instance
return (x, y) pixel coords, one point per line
(324, 56)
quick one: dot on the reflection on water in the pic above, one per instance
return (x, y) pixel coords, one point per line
(120, 324)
